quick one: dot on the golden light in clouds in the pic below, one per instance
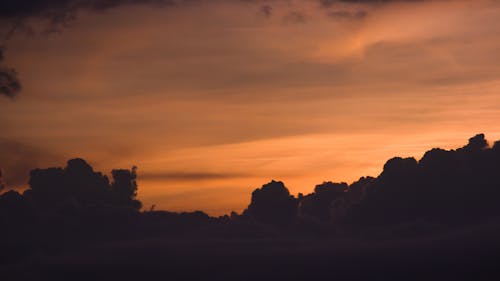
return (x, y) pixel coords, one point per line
(214, 100)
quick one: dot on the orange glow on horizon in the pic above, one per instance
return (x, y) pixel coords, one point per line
(211, 101)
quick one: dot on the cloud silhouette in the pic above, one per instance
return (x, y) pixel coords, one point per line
(319, 203)
(445, 186)
(273, 204)
(448, 200)
(79, 185)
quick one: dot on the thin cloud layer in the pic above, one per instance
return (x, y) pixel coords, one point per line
(55, 16)
(189, 176)
(59, 13)
(17, 159)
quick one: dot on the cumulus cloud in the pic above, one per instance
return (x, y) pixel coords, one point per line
(272, 203)
(445, 186)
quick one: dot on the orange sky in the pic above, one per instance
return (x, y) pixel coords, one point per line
(214, 99)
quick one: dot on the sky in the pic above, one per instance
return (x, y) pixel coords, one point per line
(212, 99)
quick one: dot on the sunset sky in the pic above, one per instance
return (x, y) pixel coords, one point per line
(212, 99)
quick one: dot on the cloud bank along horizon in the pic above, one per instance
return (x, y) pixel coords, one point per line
(211, 99)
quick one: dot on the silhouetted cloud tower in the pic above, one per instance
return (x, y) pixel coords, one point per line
(273, 204)
(79, 185)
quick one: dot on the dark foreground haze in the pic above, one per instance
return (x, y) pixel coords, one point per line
(437, 218)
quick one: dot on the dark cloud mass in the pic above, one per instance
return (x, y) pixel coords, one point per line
(432, 219)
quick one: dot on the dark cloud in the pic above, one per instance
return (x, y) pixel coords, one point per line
(451, 187)
(9, 82)
(319, 203)
(273, 204)
(431, 219)
(78, 185)
(10, 85)
(354, 15)
(62, 10)
(266, 10)
(445, 187)
(59, 13)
